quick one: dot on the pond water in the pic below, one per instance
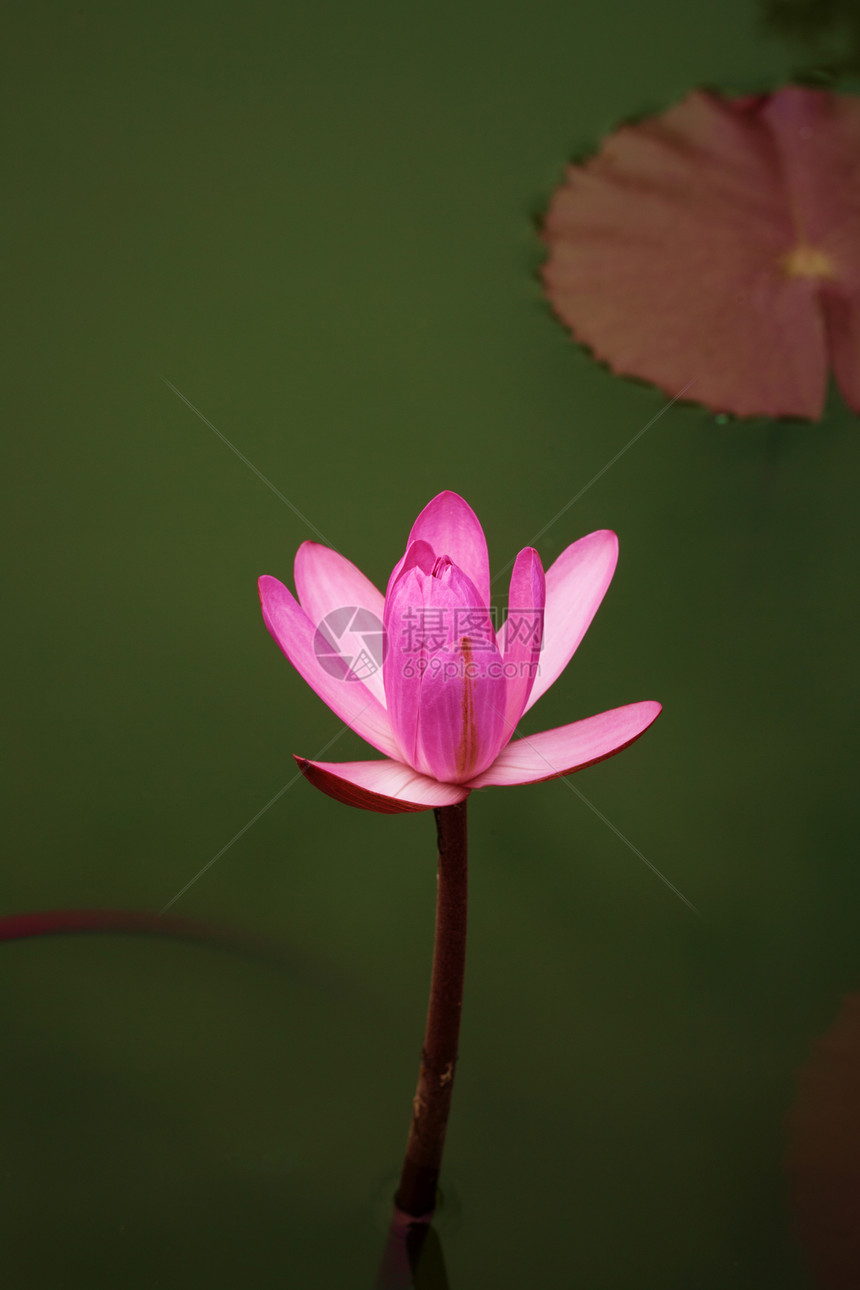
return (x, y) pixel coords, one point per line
(318, 225)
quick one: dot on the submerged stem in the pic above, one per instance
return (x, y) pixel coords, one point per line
(416, 1194)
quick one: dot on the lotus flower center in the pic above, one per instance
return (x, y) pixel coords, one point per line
(442, 563)
(807, 261)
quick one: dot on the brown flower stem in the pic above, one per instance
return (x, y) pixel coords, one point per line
(416, 1195)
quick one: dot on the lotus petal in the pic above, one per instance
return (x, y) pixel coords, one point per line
(575, 586)
(521, 636)
(444, 684)
(452, 528)
(328, 586)
(349, 699)
(553, 753)
(388, 787)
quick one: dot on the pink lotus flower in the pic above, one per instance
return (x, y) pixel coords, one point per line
(444, 706)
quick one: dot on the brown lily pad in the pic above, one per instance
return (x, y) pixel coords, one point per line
(823, 1153)
(719, 244)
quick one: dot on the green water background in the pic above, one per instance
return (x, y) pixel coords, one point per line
(317, 222)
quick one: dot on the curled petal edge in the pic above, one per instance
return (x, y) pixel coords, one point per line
(362, 784)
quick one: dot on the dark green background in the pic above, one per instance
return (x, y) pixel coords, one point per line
(317, 221)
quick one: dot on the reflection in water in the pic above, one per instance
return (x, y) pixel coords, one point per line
(140, 922)
(413, 1258)
(828, 31)
(823, 1155)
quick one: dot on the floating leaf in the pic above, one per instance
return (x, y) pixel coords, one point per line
(719, 244)
(823, 1153)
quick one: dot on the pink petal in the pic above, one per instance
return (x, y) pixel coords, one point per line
(328, 584)
(404, 663)
(520, 638)
(385, 786)
(696, 247)
(568, 748)
(452, 528)
(444, 683)
(575, 585)
(349, 699)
